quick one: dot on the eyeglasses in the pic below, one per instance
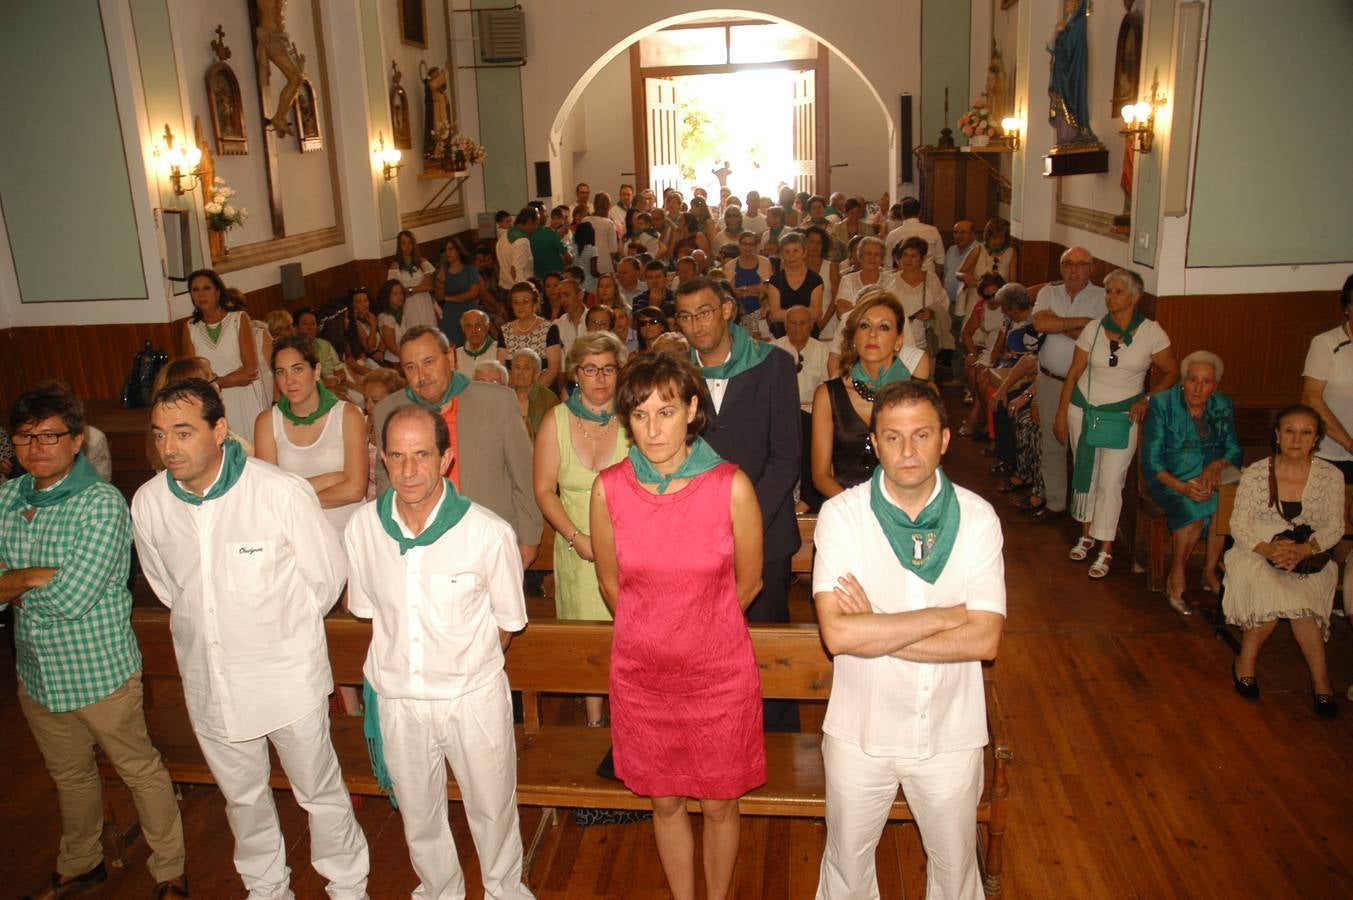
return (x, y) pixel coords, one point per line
(702, 315)
(1113, 353)
(592, 371)
(45, 438)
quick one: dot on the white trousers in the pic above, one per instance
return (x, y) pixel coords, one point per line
(942, 792)
(474, 734)
(1106, 485)
(337, 845)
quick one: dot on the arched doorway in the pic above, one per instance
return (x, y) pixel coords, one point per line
(556, 134)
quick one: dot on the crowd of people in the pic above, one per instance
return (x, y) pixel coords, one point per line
(665, 384)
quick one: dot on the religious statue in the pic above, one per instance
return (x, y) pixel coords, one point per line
(436, 113)
(272, 45)
(995, 94)
(1068, 83)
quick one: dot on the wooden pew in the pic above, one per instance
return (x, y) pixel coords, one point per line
(556, 764)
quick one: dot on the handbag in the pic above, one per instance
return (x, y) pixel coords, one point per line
(1297, 534)
(138, 389)
(1105, 430)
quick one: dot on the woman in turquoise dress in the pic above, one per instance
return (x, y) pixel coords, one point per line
(1189, 439)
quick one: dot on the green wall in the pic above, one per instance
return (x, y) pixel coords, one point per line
(945, 26)
(1274, 136)
(501, 129)
(64, 186)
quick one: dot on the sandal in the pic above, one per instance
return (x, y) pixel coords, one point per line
(1178, 605)
(1082, 549)
(1031, 503)
(1100, 567)
(1011, 486)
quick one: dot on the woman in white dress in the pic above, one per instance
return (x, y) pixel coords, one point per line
(1271, 576)
(392, 319)
(417, 277)
(993, 255)
(869, 276)
(312, 433)
(921, 292)
(225, 339)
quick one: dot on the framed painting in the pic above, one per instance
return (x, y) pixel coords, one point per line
(1127, 63)
(306, 117)
(227, 111)
(400, 131)
(413, 23)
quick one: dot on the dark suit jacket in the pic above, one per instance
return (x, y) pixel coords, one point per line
(758, 428)
(494, 451)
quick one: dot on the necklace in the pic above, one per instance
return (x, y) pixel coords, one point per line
(600, 432)
(864, 390)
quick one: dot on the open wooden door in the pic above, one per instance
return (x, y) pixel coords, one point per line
(805, 131)
(663, 134)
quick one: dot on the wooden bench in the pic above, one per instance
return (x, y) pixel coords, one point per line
(556, 763)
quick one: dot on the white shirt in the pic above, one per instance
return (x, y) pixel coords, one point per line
(411, 280)
(813, 370)
(503, 250)
(608, 242)
(757, 225)
(894, 707)
(851, 288)
(628, 295)
(1111, 383)
(569, 330)
(1058, 349)
(523, 263)
(436, 610)
(465, 363)
(928, 294)
(1330, 359)
(248, 577)
(916, 228)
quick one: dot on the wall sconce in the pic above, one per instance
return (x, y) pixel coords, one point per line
(388, 157)
(178, 159)
(1139, 121)
(1012, 126)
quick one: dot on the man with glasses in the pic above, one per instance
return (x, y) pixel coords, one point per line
(756, 424)
(65, 550)
(1062, 309)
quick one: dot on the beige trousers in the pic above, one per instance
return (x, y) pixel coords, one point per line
(117, 724)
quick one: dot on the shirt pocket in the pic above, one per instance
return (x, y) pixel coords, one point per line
(453, 600)
(251, 566)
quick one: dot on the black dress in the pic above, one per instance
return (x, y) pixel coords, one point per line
(800, 296)
(853, 459)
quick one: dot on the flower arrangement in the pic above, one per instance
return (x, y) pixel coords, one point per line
(977, 122)
(222, 214)
(473, 150)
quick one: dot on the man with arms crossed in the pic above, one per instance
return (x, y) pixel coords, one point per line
(441, 578)
(65, 547)
(910, 592)
(1061, 310)
(242, 554)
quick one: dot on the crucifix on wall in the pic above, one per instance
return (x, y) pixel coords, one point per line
(274, 47)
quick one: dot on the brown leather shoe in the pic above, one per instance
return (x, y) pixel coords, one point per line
(174, 887)
(65, 885)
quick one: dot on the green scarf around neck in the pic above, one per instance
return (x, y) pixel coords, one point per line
(232, 466)
(744, 352)
(578, 408)
(80, 476)
(458, 384)
(475, 354)
(1083, 465)
(449, 513)
(895, 371)
(326, 403)
(701, 459)
(922, 545)
(1124, 334)
(515, 234)
(397, 313)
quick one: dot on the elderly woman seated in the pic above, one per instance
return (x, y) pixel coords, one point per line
(1289, 510)
(533, 399)
(1188, 441)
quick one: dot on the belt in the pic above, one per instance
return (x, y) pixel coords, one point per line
(1050, 375)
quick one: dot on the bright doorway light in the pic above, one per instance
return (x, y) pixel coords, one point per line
(744, 118)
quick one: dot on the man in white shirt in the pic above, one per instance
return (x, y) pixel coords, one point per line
(627, 276)
(810, 354)
(913, 226)
(1061, 310)
(608, 236)
(570, 324)
(753, 220)
(502, 249)
(909, 586)
(479, 344)
(440, 579)
(242, 554)
(521, 262)
(621, 207)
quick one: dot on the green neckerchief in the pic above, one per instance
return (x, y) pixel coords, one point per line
(232, 466)
(375, 745)
(653, 231)
(1124, 334)
(80, 476)
(578, 408)
(397, 313)
(451, 511)
(214, 331)
(514, 234)
(773, 234)
(744, 353)
(833, 211)
(701, 459)
(1083, 469)
(326, 403)
(458, 383)
(896, 371)
(411, 267)
(475, 354)
(995, 253)
(922, 545)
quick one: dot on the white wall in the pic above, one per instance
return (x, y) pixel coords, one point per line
(598, 139)
(859, 132)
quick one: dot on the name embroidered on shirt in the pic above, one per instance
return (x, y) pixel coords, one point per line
(245, 551)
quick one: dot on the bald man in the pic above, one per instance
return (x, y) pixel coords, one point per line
(479, 343)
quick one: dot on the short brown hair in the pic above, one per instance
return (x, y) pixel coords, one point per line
(672, 378)
(901, 393)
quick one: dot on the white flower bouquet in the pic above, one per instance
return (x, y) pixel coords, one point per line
(221, 211)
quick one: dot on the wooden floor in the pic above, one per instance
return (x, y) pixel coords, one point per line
(1138, 771)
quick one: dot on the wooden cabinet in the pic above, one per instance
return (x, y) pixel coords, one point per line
(960, 184)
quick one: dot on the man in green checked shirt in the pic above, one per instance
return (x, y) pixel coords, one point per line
(65, 549)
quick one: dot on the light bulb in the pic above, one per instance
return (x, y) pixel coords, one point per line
(1010, 125)
(1129, 113)
(1143, 110)
(194, 156)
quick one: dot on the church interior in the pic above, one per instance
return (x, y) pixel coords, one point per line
(1212, 164)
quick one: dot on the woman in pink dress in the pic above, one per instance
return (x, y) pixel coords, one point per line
(676, 532)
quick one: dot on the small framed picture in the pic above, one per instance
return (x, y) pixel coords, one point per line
(306, 118)
(413, 23)
(227, 111)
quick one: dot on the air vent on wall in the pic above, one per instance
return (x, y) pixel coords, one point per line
(502, 35)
